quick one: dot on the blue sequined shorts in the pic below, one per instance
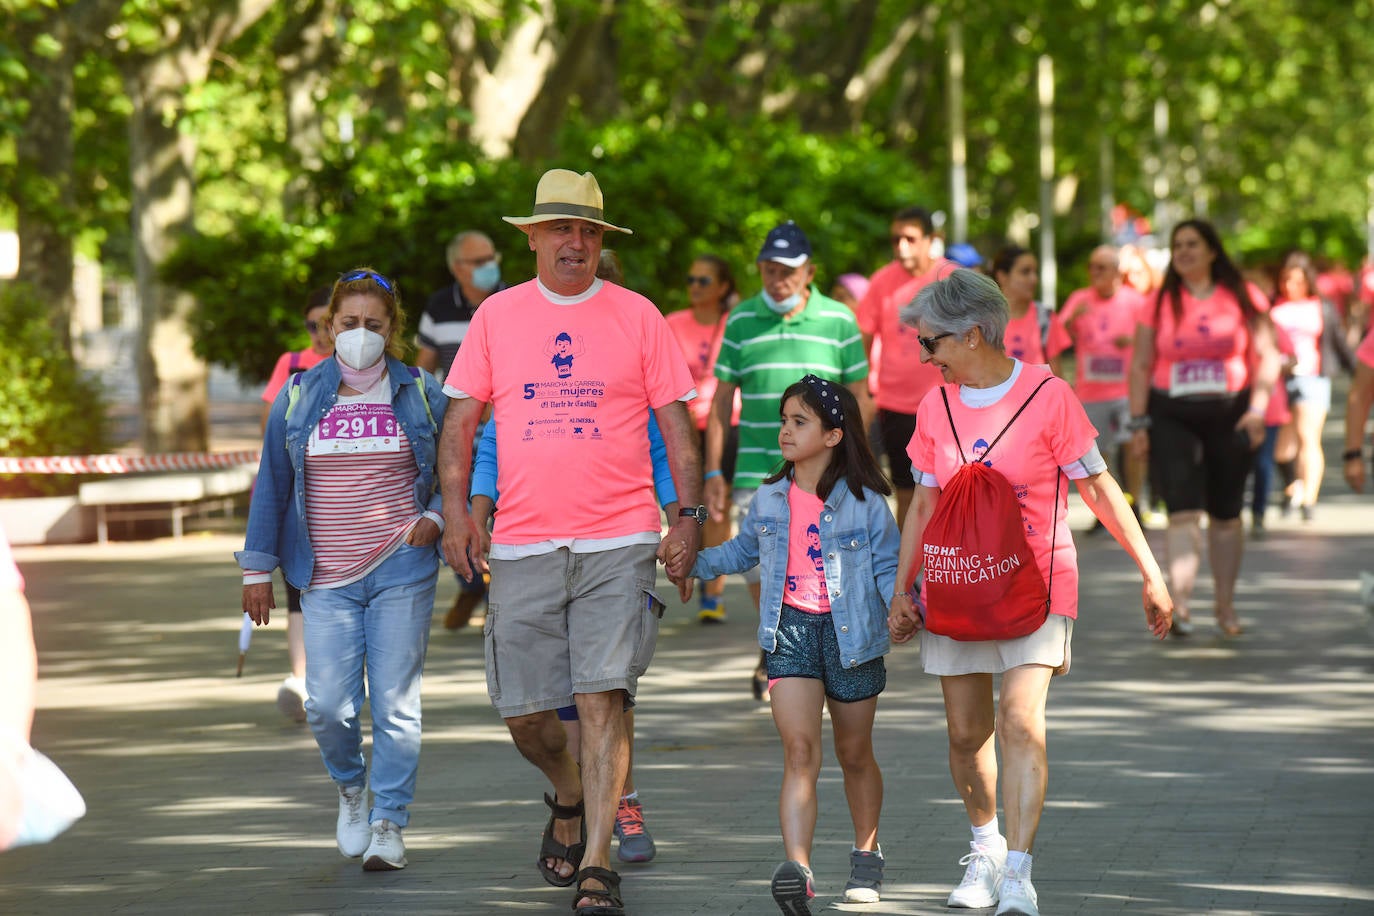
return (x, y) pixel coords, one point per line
(807, 647)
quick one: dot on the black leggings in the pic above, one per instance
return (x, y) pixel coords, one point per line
(1198, 459)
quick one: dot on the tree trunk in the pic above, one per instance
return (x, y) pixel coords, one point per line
(500, 94)
(43, 195)
(305, 53)
(172, 379)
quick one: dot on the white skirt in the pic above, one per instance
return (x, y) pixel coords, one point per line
(1050, 646)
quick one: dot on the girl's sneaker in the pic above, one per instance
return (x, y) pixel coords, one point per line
(865, 876)
(712, 608)
(792, 889)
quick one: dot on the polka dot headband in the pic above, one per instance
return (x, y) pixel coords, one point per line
(827, 393)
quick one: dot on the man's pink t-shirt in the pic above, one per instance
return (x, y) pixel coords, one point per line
(1365, 352)
(1208, 353)
(571, 385)
(305, 359)
(701, 345)
(1302, 320)
(1022, 338)
(903, 379)
(805, 589)
(1101, 332)
(1051, 433)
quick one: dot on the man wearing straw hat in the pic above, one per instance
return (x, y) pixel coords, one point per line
(572, 365)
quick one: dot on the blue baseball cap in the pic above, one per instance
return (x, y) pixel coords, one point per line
(786, 244)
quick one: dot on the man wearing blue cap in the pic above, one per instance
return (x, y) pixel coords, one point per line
(771, 340)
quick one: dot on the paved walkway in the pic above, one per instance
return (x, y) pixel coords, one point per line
(1192, 776)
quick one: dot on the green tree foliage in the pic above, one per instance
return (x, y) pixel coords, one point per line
(47, 407)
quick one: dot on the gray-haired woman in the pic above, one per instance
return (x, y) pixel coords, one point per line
(961, 321)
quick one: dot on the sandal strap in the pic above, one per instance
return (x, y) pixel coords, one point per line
(564, 812)
(609, 890)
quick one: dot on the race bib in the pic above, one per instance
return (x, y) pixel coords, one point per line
(1197, 376)
(1104, 369)
(352, 429)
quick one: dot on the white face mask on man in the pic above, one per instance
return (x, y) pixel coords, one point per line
(359, 348)
(783, 307)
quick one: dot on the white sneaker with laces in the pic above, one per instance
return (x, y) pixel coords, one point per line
(983, 868)
(291, 698)
(1016, 897)
(352, 832)
(387, 851)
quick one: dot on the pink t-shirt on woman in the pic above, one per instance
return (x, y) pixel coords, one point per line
(1302, 320)
(1051, 433)
(701, 345)
(1365, 352)
(1022, 338)
(805, 589)
(1208, 352)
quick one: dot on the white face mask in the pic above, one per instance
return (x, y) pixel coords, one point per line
(359, 348)
(783, 307)
(487, 276)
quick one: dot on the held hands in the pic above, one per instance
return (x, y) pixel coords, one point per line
(1159, 607)
(903, 622)
(258, 602)
(677, 552)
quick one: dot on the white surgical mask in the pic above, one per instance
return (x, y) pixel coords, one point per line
(486, 276)
(783, 307)
(359, 348)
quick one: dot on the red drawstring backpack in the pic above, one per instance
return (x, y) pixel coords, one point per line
(981, 578)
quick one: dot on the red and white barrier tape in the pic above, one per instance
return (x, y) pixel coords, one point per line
(125, 464)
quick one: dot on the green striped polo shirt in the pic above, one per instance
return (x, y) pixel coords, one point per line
(762, 353)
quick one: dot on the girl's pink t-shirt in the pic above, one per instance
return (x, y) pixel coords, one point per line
(701, 345)
(1022, 338)
(1301, 319)
(1206, 353)
(1365, 352)
(572, 384)
(305, 359)
(805, 589)
(1101, 332)
(1051, 433)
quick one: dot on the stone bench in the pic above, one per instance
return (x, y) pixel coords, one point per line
(133, 497)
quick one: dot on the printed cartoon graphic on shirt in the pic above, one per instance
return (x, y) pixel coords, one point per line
(980, 448)
(562, 351)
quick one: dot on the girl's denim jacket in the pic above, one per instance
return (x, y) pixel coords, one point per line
(859, 542)
(277, 531)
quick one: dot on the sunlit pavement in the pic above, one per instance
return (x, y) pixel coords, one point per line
(1203, 775)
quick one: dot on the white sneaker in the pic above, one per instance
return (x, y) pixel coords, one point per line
(984, 867)
(352, 832)
(1016, 897)
(291, 698)
(387, 851)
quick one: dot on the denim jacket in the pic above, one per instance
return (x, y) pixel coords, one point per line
(277, 531)
(859, 542)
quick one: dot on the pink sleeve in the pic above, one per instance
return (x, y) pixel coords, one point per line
(921, 448)
(279, 373)
(667, 377)
(471, 369)
(1365, 352)
(1059, 339)
(867, 312)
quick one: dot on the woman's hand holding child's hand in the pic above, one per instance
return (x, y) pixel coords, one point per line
(903, 621)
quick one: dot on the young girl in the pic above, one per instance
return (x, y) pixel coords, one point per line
(827, 546)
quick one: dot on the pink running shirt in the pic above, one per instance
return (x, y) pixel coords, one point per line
(902, 379)
(1053, 432)
(572, 385)
(1208, 353)
(805, 589)
(1102, 333)
(1301, 319)
(701, 345)
(1365, 352)
(1022, 338)
(305, 359)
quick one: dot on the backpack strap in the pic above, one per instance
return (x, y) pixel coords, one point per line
(419, 375)
(957, 444)
(293, 392)
(1054, 536)
(948, 413)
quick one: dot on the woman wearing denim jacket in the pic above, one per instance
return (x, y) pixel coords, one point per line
(347, 503)
(826, 545)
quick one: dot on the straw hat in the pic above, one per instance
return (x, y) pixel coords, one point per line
(563, 194)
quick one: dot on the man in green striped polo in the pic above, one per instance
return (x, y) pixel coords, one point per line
(771, 340)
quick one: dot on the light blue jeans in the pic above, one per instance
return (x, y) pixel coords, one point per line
(379, 624)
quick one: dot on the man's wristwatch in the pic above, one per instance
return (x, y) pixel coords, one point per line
(696, 512)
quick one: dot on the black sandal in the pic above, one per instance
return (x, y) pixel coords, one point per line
(610, 881)
(552, 849)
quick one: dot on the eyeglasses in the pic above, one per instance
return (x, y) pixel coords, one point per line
(478, 262)
(909, 239)
(693, 280)
(929, 342)
(372, 275)
(312, 327)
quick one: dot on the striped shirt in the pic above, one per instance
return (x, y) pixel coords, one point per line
(762, 353)
(359, 487)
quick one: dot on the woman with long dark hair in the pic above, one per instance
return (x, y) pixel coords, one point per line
(1205, 363)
